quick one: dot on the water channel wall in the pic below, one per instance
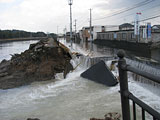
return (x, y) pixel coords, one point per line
(131, 46)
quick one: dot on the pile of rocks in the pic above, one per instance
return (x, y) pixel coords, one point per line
(40, 62)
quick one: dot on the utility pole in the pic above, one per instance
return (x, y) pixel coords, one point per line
(90, 24)
(65, 30)
(70, 3)
(57, 30)
(75, 29)
(91, 39)
(57, 35)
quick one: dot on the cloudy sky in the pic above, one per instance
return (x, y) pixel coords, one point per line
(46, 15)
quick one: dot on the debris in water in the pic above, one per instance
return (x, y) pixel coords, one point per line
(100, 73)
(110, 116)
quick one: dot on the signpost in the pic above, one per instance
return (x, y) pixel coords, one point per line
(136, 26)
(148, 30)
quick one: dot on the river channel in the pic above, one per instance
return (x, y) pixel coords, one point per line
(73, 98)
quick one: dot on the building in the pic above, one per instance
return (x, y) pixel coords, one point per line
(68, 36)
(111, 28)
(126, 33)
(96, 29)
(156, 28)
(126, 26)
(119, 35)
(85, 32)
(155, 33)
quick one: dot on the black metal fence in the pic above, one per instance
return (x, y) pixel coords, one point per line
(126, 96)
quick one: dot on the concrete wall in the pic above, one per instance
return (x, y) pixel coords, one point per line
(155, 37)
(95, 30)
(155, 54)
(128, 35)
(111, 28)
(117, 35)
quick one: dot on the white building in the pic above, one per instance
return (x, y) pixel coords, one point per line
(85, 32)
(95, 30)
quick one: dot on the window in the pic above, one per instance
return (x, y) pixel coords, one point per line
(115, 35)
(132, 36)
(103, 36)
(123, 35)
(98, 36)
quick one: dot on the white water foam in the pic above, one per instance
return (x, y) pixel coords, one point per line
(73, 98)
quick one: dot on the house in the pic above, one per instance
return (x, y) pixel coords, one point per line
(155, 33)
(85, 33)
(126, 26)
(156, 28)
(68, 36)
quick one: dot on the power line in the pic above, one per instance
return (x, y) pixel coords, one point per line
(157, 16)
(150, 18)
(113, 26)
(127, 9)
(82, 23)
(130, 8)
(152, 7)
(153, 17)
(146, 17)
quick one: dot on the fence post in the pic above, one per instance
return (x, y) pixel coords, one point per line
(123, 86)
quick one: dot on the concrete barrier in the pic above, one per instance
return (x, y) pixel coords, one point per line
(100, 73)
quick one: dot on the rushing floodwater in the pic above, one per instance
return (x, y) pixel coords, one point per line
(73, 98)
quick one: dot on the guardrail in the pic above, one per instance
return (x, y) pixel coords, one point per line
(126, 95)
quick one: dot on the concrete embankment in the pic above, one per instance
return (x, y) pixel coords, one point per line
(143, 49)
(21, 39)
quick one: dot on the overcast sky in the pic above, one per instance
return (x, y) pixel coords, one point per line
(46, 15)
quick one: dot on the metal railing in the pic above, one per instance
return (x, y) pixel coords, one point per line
(126, 95)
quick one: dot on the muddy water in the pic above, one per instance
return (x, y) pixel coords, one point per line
(73, 98)
(70, 99)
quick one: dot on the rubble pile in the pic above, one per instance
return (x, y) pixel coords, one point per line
(39, 63)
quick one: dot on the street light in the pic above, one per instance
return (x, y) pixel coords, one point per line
(70, 2)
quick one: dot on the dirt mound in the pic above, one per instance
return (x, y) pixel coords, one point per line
(40, 62)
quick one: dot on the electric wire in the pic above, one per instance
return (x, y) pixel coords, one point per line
(127, 9)
(147, 9)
